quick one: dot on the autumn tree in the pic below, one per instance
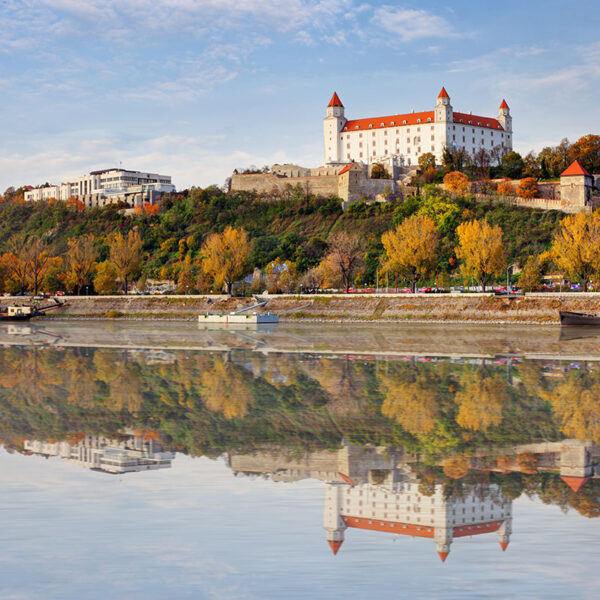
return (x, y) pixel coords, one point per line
(225, 256)
(125, 255)
(281, 276)
(505, 187)
(530, 279)
(411, 249)
(105, 281)
(344, 257)
(481, 250)
(457, 182)
(426, 161)
(481, 400)
(456, 467)
(576, 246)
(15, 264)
(528, 188)
(186, 281)
(37, 260)
(378, 171)
(225, 389)
(80, 261)
(587, 151)
(527, 463)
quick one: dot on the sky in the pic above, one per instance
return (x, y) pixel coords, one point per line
(196, 88)
(195, 531)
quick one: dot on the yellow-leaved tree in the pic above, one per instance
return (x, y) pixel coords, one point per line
(105, 281)
(411, 249)
(344, 258)
(126, 255)
(225, 256)
(37, 261)
(576, 246)
(481, 400)
(481, 250)
(80, 262)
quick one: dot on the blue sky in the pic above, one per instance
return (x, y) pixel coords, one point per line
(194, 88)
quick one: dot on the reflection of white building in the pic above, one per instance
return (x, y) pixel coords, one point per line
(112, 456)
(398, 507)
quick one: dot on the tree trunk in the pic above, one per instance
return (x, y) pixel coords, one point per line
(584, 284)
(229, 287)
(413, 286)
(126, 286)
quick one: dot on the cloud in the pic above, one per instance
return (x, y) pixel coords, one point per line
(412, 24)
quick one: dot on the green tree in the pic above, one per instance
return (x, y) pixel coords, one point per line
(427, 161)
(512, 165)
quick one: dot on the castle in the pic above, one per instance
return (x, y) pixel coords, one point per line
(399, 140)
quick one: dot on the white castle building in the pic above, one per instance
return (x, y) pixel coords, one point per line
(399, 140)
(401, 509)
(106, 186)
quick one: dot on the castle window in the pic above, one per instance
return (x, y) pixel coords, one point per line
(429, 119)
(470, 122)
(386, 151)
(418, 120)
(345, 129)
(370, 125)
(360, 144)
(382, 125)
(348, 155)
(392, 123)
(453, 127)
(385, 132)
(432, 148)
(361, 155)
(360, 135)
(479, 124)
(404, 122)
(357, 127)
(432, 138)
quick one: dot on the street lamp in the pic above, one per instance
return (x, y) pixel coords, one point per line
(508, 269)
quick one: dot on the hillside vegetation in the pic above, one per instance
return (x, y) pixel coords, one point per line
(295, 229)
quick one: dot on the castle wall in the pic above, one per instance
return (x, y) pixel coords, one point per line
(264, 183)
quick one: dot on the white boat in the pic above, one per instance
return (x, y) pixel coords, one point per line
(242, 317)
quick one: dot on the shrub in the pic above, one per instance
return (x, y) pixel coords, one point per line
(456, 467)
(505, 187)
(528, 188)
(457, 182)
(527, 462)
(113, 314)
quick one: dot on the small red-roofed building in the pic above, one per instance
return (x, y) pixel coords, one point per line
(576, 185)
(398, 140)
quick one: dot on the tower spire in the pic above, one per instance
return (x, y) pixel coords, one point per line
(335, 100)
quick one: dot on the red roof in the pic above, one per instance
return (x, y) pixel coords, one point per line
(443, 93)
(575, 483)
(504, 105)
(335, 546)
(345, 170)
(345, 477)
(575, 168)
(391, 121)
(504, 546)
(427, 116)
(443, 555)
(335, 100)
(477, 121)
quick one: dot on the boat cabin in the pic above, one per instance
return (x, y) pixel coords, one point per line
(19, 311)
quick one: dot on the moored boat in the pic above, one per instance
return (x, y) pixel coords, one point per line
(26, 312)
(570, 319)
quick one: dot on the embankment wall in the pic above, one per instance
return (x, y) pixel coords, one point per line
(532, 308)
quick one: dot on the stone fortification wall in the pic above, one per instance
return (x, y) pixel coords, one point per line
(265, 183)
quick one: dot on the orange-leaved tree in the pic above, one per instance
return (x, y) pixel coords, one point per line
(505, 187)
(457, 182)
(528, 188)
(37, 261)
(225, 256)
(411, 249)
(576, 246)
(481, 250)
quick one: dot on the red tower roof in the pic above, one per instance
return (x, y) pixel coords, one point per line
(335, 546)
(575, 483)
(443, 555)
(504, 546)
(443, 93)
(335, 100)
(504, 105)
(575, 168)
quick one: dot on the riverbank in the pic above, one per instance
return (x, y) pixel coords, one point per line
(465, 308)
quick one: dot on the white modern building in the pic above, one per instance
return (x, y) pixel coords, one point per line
(401, 139)
(102, 454)
(106, 186)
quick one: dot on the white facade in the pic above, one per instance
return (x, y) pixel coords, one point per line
(102, 454)
(405, 137)
(400, 508)
(103, 184)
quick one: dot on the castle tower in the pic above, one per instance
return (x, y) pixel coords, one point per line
(575, 188)
(505, 530)
(443, 538)
(443, 108)
(332, 517)
(504, 117)
(332, 126)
